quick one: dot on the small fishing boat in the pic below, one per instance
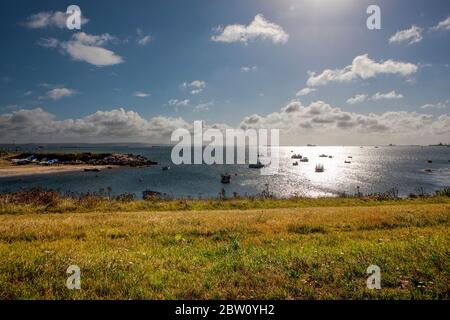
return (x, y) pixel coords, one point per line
(430, 161)
(323, 156)
(167, 168)
(319, 167)
(347, 161)
(226, 178)
(296, 156)
(257, 165)
(330, 157)
(305, 159)
(295, 163)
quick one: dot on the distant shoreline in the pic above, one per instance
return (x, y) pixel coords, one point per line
(25, 164)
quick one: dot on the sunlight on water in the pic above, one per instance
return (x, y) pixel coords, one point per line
(371, 169)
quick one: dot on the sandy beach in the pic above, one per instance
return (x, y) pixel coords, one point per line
(8, 170)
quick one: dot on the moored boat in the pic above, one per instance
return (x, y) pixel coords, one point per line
(226, 178)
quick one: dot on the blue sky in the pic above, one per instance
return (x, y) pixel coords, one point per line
(160, 62)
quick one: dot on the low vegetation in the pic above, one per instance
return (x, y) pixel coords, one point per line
(49, 201)
(223, 249)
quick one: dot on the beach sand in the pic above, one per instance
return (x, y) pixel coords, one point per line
(8, 170)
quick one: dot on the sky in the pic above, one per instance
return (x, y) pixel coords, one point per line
(137, 70)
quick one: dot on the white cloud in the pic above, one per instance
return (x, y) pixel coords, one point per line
(48, 42)
(178, 103)
(259, 28)
(88, 48)
(411, 35)
(93, 40)
(37, 125)
(305, 92)
(249, 69)
(357, 99)
(59, 93)
(203, 106)
(322, 123)
(439, 105)
(141, 94)
(143, 39)
(362, 67)
(318, 123)
(443, 25)
(196, 86)
(55, 19)
(387, 96)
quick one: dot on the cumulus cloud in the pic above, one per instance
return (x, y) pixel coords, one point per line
(305, 92)
(259, 28)
(357, 99)
(320, 122)
(87, 48)
(317, 122)
(386, 96)
(49, 19)
(195, 87)
(59, 93)
(411, 35)
(363, 68)
(37, 125)
(443, 25)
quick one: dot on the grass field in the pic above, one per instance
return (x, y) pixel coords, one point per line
(311, 249)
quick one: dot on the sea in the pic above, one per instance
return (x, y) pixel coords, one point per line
(405, 169)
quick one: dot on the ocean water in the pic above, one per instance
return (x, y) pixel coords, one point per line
(372, 170)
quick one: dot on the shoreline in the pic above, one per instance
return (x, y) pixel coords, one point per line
(29, 164)
(11, 171)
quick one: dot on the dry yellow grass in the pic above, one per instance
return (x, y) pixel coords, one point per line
(292, 253)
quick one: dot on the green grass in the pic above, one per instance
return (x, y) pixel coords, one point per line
(40, 202)
(234, 249)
